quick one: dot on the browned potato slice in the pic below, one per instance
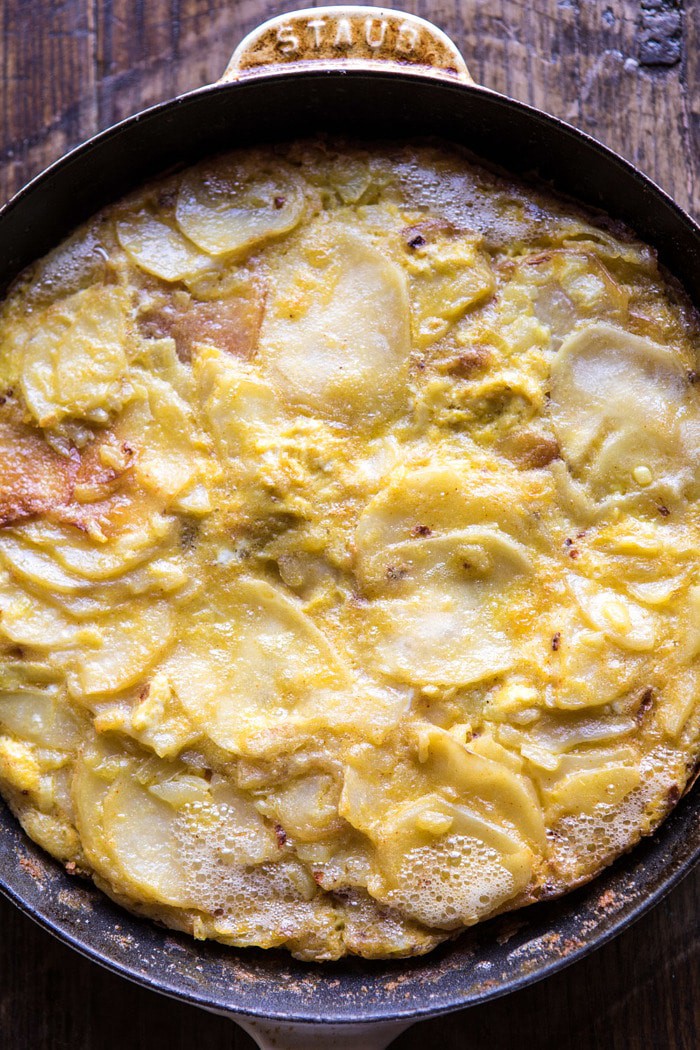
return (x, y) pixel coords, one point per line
(35, 479)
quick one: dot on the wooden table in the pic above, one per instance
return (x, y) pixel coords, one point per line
(628, 73)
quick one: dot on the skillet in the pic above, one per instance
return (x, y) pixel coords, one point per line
(364, 72)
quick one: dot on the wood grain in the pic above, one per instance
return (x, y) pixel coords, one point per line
(625, 71)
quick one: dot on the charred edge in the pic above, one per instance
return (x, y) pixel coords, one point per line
(645, 704)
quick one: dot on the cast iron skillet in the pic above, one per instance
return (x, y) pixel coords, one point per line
(363, 72)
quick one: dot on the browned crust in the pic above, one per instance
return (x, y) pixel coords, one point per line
(34, 479)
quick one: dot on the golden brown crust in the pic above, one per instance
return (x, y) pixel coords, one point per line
(35, 478)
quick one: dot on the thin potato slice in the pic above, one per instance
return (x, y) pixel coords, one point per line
(171, 452)
(225, 208)
(128, 647)
(618, 404)
(252, 659)
(25, 620)
(445, 866)
(567, 284)
(236, 834)
(486, 782)
(159, 248)
(39, 567)
(449, 276)
(433, 639)
(436, 499)
(74, 362)
(41, 718)
(624, 622)
(94, 561)
(442, 599)
(336, 333)
(89, 790)
(582, 791)
(140, 834)
(238, 405)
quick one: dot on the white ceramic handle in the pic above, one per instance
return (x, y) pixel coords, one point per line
(271, 1036)
(348, 38)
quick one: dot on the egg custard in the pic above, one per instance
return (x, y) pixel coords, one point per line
(349, 534)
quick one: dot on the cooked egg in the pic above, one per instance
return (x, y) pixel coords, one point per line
(348, 548)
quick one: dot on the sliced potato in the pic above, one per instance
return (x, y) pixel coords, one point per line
(172, 453)
(445, 866)
(440, 498)
(589, 672)
(624, 622)
(128, 647)
(441, 600)
(569, 285)
(25, 620)
(618, 406)
(486, 782)
(39, 567)
(89, 790)
(42, 718)
(583, 791)
(238, 405)
(20, 768)
(223, 207)
(141, 837)
(159, 248)
(250, 658)
(306, 808)
(433, 639)
(95, 561)
(336, 334)
(235, 833)
(74, 362)
(449, 275)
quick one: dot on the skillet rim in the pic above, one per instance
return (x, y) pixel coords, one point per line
(686, 810)
(525, 111)
(688, 807)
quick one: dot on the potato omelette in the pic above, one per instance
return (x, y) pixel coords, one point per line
(349, 536)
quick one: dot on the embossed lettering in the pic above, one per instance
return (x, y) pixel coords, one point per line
(407, 37)
(287, 40)
(343, 33)
(316, 24)
(375, 34)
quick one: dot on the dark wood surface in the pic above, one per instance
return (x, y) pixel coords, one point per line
(624, 70)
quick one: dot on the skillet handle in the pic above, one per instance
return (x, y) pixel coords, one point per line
(349, 38)
(269, 1035)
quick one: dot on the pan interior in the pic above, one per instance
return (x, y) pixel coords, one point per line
(508, 951)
